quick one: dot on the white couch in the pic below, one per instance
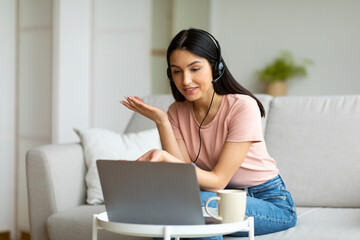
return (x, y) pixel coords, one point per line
(315, 141)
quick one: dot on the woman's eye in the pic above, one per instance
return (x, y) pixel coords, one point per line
(176, 71)
(195, 69)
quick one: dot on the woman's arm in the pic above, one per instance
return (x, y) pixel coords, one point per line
(166, 133)
(231, 157)
(172, 145)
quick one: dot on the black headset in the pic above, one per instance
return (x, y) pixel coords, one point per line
(218, 70)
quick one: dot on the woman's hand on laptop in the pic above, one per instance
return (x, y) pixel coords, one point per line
(157, 155)
(137, 105)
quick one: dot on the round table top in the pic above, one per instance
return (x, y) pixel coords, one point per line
(148, 230)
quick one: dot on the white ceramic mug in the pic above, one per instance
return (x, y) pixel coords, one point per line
(231, 205)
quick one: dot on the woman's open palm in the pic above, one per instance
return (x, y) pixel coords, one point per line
(137, 105)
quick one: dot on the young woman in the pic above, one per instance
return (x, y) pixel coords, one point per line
(215, 123)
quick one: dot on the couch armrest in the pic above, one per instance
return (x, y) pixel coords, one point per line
(56, 181)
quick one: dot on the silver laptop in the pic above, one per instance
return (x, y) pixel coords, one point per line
(150, 193)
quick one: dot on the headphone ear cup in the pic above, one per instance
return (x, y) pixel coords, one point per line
(218, 70)
(221, 68)
(169, 74)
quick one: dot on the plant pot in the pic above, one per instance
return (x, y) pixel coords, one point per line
(276, 89)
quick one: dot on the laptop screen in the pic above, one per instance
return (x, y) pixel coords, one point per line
(150, 193)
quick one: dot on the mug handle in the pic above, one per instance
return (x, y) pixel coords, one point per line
(217, 198)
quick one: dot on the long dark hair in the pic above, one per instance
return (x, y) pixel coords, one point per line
(200, 43)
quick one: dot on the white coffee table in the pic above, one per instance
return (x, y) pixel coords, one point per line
(100, 221)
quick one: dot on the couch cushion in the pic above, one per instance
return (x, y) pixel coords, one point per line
(101, 143)
(315, 141)
(320, 224)
(76, 224)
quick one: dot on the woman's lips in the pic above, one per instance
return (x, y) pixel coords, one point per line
(190, 91)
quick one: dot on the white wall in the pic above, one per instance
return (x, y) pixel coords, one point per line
(64, 64)
(160, 38)
(102, 53)
(189, 13)
(71, 68)
(7, 115)
(121, 59)
(169, 17)
(34, 96)
(252, 33)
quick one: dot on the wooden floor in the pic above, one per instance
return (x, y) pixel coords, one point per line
(25, 236)
(6, 236)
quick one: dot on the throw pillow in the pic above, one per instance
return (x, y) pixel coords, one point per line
(104, 144)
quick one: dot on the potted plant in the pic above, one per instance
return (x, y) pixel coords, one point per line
(277, 73)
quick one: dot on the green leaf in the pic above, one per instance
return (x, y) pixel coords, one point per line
(283, 68)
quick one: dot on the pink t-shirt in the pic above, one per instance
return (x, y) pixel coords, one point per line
(237, 120)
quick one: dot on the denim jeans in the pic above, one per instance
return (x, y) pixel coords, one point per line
(269, 203)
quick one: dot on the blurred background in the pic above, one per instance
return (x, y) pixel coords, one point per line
(68, 63)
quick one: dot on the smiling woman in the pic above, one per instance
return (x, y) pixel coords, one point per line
(191, 74)
(213, 110)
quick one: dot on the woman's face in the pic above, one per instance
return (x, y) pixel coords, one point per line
(191, 74)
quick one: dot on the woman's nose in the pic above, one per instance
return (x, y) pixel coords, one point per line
(186, 78)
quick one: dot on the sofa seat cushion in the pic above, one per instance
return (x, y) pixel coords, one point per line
(76, 224)
(320, 224)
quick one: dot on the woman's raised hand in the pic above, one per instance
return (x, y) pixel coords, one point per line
(137, 105)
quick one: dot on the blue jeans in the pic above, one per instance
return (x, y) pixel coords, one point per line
(269, 203)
